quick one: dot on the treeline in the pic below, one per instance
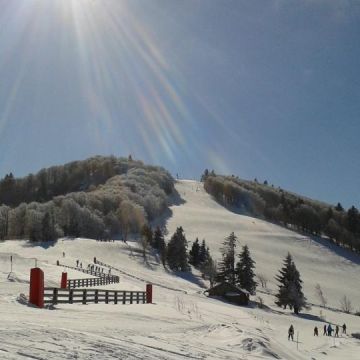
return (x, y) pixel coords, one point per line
(75, 176)
(106, 204)
(287, 209)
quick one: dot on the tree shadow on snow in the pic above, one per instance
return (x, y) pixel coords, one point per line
(43, 244)
(311, 317)
(188, 276)
(336, 249)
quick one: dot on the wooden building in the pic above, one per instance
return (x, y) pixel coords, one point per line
(230, 293)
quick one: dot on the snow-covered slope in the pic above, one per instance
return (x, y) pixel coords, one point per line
(182, 322)
(335, 269)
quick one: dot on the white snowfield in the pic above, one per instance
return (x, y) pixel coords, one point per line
(182, 323)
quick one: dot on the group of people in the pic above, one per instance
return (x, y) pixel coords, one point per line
(328, 330)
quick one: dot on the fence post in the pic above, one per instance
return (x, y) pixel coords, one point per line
(131, 297)
(71, 296)
(55, 296)
(106, 297)
(124, 297)
(36, 287)
(63, 280)
(115, 297)
(96, 296)
(149, 293)
(84, 297)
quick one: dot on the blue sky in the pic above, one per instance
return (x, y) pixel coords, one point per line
(266, 89)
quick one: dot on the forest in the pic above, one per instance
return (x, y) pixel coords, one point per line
(287, 209)
(94, 198)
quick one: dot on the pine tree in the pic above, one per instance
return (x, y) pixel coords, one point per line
(159, 244)
(226, 271)
(163, 251)
(177, 251)
(339, 207)
(158, 238)
(290, 288)
(194, 253)
(203, 252)
(245, 271)
(205, 175)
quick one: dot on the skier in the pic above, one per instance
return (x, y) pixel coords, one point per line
(316, 331)
(329, 330)
(291, 333)
(81, 265)
(77, 263)
(325, 332)
(337, 331)
(94, 260)
(344, 329)
(63, 254)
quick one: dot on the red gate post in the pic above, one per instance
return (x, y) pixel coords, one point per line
(63, 280)
(149, 293)
(36, 287)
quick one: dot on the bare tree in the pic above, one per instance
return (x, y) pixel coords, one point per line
(345, 304)
(260, 302)
(263, 280)
(320, 295)
(131, 218)
(209, 270)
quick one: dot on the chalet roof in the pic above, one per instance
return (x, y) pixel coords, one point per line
(230, 288)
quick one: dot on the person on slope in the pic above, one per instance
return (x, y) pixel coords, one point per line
(291, 333)
(316, 331)
(329, 330)
(325, 331)
(337, 331)
(344, 329)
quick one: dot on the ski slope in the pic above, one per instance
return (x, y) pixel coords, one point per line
(182, 322)
(335, 269)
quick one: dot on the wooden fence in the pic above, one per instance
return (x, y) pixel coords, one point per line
(75, 283)
(85, 296)
(86, 271)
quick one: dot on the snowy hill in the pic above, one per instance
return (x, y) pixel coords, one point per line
(182, 322)
(317, 260)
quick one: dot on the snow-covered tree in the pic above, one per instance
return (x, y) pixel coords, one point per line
(226, 267)
(176, 256)
(290, 288)
(245, 271)
(131, 218)
(194, 258)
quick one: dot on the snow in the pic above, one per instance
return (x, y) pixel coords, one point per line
(182, 322)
